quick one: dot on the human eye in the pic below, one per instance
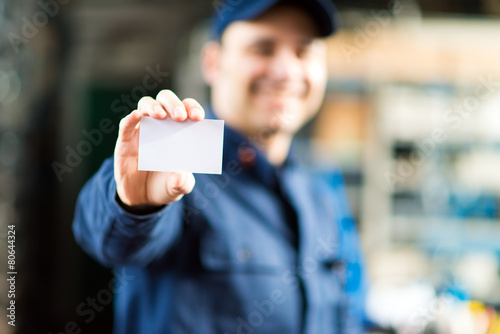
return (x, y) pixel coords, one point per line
(265, 49)
(304, 50)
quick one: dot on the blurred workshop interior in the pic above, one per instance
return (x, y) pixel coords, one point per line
(411, 115)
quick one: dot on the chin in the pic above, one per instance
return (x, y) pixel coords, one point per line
(278, 115)
(284, 127)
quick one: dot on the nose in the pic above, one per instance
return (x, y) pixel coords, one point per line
(285, 65)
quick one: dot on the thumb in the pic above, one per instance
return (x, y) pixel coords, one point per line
(179, 184)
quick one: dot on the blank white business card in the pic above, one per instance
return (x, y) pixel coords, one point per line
(169, 146)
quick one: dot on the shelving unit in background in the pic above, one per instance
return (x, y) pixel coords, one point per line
(441, 164)
(429, 168)
(408, 82)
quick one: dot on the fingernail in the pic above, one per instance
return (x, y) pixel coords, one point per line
(159, 110)
(178, 111)
(196, 112)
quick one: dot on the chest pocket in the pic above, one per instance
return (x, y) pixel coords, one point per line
(244, 254)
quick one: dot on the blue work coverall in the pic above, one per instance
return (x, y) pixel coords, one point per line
(258, 249)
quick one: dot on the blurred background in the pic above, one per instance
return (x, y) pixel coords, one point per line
(412, 116)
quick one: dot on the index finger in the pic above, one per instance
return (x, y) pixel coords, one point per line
(129, 124)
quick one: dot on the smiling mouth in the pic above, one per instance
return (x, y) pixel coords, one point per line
(279, 95)
(277, 101)
(278, 90)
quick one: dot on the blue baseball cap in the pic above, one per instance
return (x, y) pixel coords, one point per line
(323, 12)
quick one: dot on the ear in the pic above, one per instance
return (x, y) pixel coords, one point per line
(210, 61)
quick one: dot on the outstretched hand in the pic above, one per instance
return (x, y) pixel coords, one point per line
(145, 188)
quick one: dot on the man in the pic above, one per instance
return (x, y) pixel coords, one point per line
(262, 248)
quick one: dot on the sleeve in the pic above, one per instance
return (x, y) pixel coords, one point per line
(356, 282)
(115, 237)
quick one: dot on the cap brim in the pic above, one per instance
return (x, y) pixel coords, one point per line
(323, 12)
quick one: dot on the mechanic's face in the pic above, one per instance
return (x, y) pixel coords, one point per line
(271, 73)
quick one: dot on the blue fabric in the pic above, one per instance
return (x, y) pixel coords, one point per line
(258, 249)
